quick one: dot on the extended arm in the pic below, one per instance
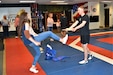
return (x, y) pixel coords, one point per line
(28, 36)
(74, 24)
(79, 26)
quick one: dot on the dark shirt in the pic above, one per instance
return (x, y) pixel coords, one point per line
(63, 21)
(85, 29)
(0, 23)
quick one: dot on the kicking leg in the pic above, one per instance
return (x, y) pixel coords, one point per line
(45, 35)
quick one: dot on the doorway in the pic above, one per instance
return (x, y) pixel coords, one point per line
(106, 17)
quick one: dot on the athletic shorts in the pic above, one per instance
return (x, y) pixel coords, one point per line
(85, 39)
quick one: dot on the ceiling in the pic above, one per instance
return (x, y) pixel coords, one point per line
(49, 3)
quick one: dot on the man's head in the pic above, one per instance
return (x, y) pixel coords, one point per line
(62, 14)
(81, 10)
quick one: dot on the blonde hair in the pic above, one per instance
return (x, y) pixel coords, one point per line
(20, 12)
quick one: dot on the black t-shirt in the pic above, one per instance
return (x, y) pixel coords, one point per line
(85, 29)
(63, 20)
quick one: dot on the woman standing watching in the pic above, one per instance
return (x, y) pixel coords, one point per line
(5, 24)
(50, 22)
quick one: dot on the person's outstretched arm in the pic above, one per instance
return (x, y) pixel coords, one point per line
(28, 36)
(79, 26)
(74, 24)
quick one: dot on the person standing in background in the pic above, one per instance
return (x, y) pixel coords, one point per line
(16, 23)
(50, 22)
(1, 36)
(58, 25)
(63, 20)
(0, 24)
(5, 24)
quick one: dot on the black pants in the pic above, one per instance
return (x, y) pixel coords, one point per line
(16, 31)
(5, 31)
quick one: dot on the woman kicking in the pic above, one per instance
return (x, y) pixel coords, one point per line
(32, 39)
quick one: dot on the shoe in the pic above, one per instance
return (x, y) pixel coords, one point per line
(16, 37)
(65, 39)
(83, 62)
(90, 57)
(41, 50)
(51, 39)
(33, 70)
(49, 46)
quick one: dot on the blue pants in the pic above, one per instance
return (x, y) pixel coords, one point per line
(50, 28)
(42, 36)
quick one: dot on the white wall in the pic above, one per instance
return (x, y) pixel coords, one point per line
(102, 16)
(111, 15)
(11, 12)
(100, 12)
(91, 5)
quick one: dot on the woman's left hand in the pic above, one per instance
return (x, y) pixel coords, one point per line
(37, 43)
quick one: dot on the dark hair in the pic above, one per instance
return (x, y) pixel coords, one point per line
(22, 19)
(4, 17)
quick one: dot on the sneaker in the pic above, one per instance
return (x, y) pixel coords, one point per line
(83, 62)
(41, 50)
(65, 39)
(33, 70)
(51, 39)
(90, 57)
(16, 37)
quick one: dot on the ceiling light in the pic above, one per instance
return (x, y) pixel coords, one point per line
(0, 1)
(27, 1)
(57, 1)
(61, 3)
(106, 1)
